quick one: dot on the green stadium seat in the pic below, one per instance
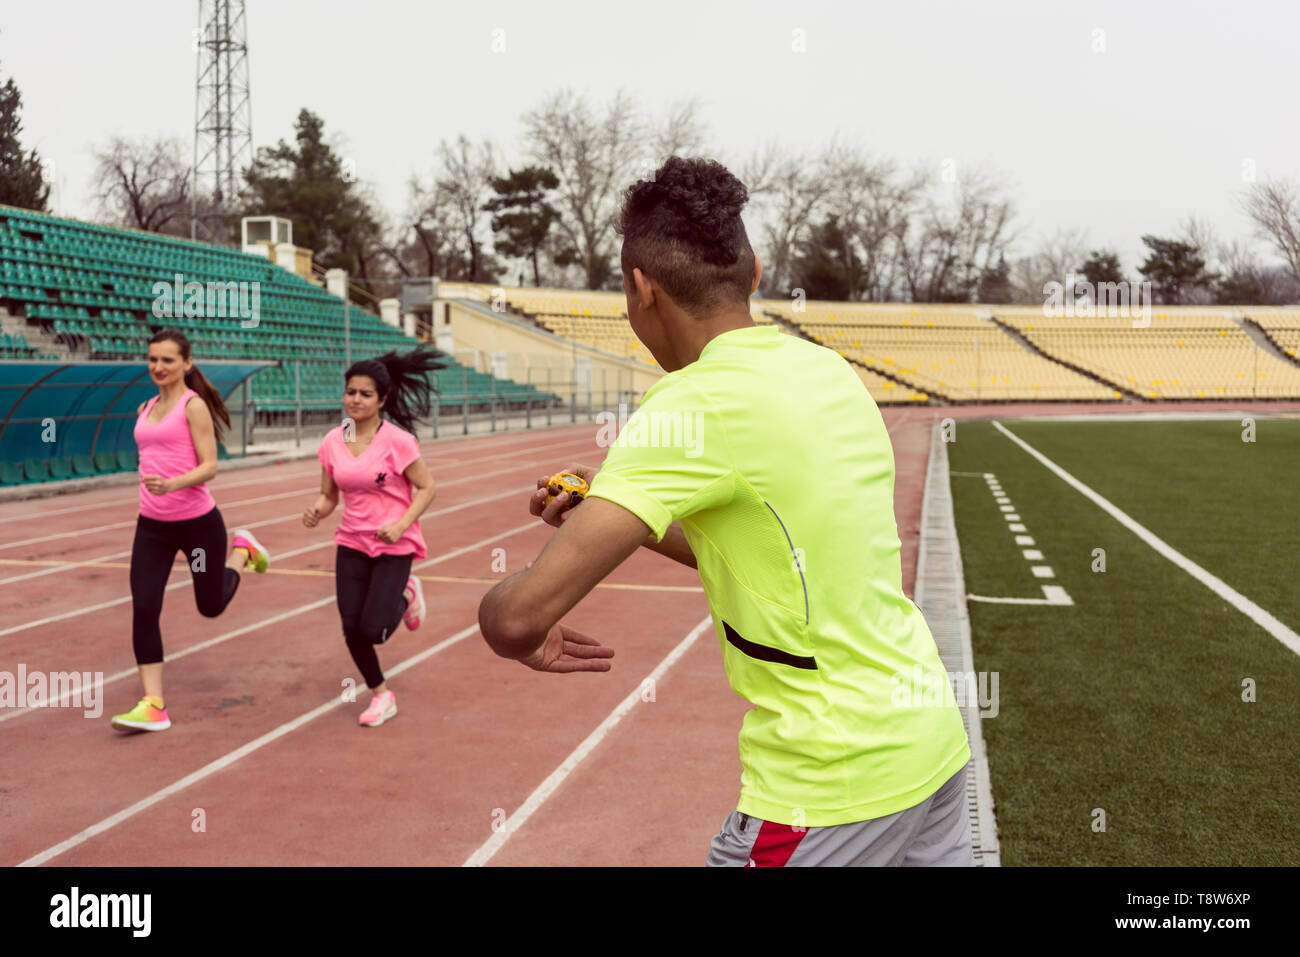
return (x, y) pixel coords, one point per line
(60, 468)
(36, 470)
(82, 465)
(105, 462)
(11, 473)
(127, 459)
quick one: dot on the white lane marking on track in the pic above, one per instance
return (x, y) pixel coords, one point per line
(301, 609)
(180, 584)
(1258, 615)
(1032, 554)
(569, 764)
(264, 522)
(220, 485)
(226, 760)
(454, 463)
(1042, 571)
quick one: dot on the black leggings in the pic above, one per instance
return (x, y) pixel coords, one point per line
(152, 554)
(371, 604)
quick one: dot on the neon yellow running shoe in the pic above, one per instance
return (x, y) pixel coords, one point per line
(143, 717)
(259, 560)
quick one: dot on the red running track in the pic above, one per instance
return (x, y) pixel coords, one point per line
(265, 763)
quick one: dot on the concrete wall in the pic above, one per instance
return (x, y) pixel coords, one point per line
(506, 345)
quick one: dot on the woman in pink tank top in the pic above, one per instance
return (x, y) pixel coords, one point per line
(177, 433)
(386, 487)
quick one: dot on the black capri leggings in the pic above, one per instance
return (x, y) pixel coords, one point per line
(203, 542)
(371, 604)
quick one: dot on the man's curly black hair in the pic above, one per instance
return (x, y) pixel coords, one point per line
(682, 228)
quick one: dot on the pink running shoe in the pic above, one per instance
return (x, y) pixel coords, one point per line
(382, 707)
(415, 609)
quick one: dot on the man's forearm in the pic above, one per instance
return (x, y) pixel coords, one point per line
(504, 635)
(674, 546)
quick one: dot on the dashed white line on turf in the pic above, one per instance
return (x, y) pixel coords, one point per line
(1053, 594)
(569, 764)
(1229, 594)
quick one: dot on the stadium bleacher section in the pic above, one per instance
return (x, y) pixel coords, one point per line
(94, 291)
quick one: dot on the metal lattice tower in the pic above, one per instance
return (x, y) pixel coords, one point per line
(223, 113)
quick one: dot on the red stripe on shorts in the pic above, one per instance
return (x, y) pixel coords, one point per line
(775, 844)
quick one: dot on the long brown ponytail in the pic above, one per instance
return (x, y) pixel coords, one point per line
(197, 381)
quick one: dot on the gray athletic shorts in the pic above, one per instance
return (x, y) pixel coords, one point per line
(934, 833)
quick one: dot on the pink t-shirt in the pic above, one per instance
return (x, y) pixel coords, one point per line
(167, 449)
(375, 492)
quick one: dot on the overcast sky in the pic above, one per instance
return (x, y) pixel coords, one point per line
(1119, 118)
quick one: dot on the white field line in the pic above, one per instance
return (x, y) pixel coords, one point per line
(301, 609)
(569, 764)
(227, 760)
(1056, 595)
(1243, 604)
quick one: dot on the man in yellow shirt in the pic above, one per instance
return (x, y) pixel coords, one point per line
(762, 461)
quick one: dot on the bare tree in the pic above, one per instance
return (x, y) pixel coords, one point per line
(787, 191)
(1058, 258)
(429, 240)
(594, 159)
(464, 185)
(953, 241)
(1273, 207)
(144, 184)
(681, 133)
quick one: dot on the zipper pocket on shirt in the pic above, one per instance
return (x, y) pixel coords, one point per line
(795, 556)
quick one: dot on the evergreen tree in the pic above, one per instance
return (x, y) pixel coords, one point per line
(22, 179)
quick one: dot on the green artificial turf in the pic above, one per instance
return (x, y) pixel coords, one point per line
(1130, 701)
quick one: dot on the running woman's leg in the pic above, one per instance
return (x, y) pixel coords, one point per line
(152, 553)
(352, 574)
(386, 600)
(204, 544)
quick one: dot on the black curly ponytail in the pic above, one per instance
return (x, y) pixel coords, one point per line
(402, 379)
(682, 227)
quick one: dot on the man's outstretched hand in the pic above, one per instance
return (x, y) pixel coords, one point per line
(566, 650)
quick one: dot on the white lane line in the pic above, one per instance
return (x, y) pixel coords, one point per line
(1024, 540)
(326, 544)
(1032, 554)
(301, 609)
(1006, 508)
(264, 522)
(227, 760)
(430, 449)
(1042, 571)
(1011, 517)
(1017, 528)
(1055, 596)
(569, 764)
(452, 464)
(1258, 615)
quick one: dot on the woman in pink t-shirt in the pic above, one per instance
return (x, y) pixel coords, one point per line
(177, 438)
(386, 487)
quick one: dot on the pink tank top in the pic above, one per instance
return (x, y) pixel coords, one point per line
(167, 449)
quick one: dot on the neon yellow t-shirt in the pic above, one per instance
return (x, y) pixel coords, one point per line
(775, 460)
